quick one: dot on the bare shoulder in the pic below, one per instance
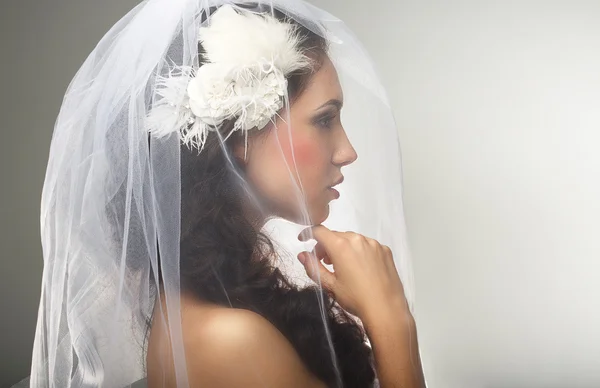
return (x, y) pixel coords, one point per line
(220, 330)
(231, 326)
(235, 347)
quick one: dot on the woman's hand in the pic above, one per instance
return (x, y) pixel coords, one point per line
(366, 284)
(365, 281)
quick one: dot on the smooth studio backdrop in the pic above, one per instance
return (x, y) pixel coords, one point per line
(498, 110)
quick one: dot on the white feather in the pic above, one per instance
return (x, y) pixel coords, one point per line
(171, 113)
(249, 39)
(257, 52)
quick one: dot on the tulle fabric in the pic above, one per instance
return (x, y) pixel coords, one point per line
(111, 203)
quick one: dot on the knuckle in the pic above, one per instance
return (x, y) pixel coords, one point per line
(373, 243)
(357, 238)
(387, 250)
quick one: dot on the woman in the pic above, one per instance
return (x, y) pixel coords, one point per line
(167, 232)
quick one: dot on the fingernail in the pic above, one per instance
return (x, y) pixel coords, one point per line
(301, 235)
(302, 257)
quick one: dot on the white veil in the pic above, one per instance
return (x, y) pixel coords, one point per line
(111, 204)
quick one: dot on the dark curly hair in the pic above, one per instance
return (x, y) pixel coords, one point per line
(226, 260)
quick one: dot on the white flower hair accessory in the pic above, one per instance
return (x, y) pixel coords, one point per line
(249, 56)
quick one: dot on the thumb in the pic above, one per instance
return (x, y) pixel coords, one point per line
(317, 271)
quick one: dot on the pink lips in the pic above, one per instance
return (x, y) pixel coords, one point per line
(338, 181)
(336, 194)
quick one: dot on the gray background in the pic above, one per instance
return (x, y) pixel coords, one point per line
(498, 108)
(43, 45)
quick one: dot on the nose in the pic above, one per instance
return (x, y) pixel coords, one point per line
(344, 154)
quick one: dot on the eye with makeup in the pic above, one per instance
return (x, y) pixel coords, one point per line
(326, 119)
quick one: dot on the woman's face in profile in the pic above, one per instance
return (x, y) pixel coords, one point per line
(314, 148)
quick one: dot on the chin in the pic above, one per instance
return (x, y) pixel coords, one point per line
(320, 216)
(317, 214)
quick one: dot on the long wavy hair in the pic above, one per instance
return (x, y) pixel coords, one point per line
(226, 260)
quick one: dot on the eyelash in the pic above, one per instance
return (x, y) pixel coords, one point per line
(325, 122)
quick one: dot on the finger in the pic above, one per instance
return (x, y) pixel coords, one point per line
(305, 234)
(329, 242)
(320, 253)
(310, 233)
(316, 271)
(320, 232)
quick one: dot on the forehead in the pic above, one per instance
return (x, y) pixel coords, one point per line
(324, 85)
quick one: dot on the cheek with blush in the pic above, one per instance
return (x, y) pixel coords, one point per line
(305, 147)
(306, 152)
(309, 156)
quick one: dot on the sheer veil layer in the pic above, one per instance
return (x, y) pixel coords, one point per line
(114, 211)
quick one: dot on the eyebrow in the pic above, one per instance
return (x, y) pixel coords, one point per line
(334, 101)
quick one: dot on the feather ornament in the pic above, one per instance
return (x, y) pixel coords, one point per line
(249, 56)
